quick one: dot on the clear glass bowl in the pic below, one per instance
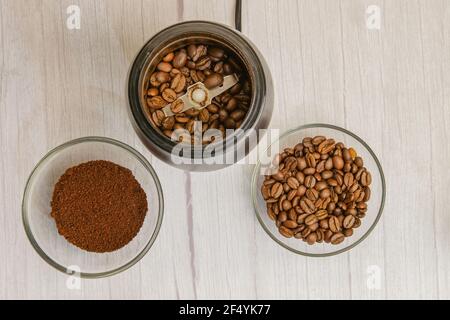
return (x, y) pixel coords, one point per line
(41, 229)
(375, 203)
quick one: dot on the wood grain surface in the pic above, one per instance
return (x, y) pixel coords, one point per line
(390, 86)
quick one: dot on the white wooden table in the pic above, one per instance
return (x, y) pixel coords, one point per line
(390, 86)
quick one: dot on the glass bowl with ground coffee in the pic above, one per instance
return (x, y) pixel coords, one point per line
(93, 206)
(320, 192)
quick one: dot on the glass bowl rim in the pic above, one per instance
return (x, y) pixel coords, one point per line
(138, 156)
(352, 245)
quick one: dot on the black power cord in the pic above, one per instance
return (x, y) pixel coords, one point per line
(238, 15)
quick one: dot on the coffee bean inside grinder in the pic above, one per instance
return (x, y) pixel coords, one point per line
(198, 84)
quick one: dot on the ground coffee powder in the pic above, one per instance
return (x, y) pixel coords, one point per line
(98, 206)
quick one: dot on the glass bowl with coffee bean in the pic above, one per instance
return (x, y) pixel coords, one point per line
(321, 191)
(197, 83)
(92, 206)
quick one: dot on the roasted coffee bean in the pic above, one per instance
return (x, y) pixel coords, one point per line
(352, 153)
(181, 118)
(190, 126)
(323, 224)
(329, 164)
(162, 77)
(311, 160)
(321, 214)
(177, 106)
(192, 112)
(307, 205)
(359, 173)
(229, 123)
(191, 50)
(311, 219)
(301, 163)
(204, 115)
(327, 174)
(293, 183)
(199, 52)
(310, 182)
(347, 167)
(301, 190)
(366, 194)
(314, 226)
(357, 223)
(288, 233)
(339, 178)
(213, 108)
(153, 81)
(276, 190)
(359, 162)
(180, 59)
(296, 199)
(265, 191)
(341, 219)
(320, 236)
(227, 69)
(158, 117)
(366, 179)
(213, 80)
(291, 224)
(164, 66)
(152, 92)
(223, 115)
(348, 232)
(271, 214)
(349, 221)
(312, 194)
(338, 162)
(337, 238)
(305, 232)
(321, 185)
(169, 95)
(191, 65)
(320, 166)
(231, 105)
(218, 67)
(216, 53)
(286, 205)
(156, 102)
(225, 97)
(168, 123)
(203, 64)
(237, 115)
(318, 140)
(292, 215)
(326, 146)
(164, 86)
(178, 83)
(301, 218)
(282, 216)
(346, 155)
(334, 224)
(348, 179)
(312, 238)
(236, 89)
(169, 57)
(325, 193)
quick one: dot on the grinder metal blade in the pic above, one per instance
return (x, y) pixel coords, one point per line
(198, 96)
